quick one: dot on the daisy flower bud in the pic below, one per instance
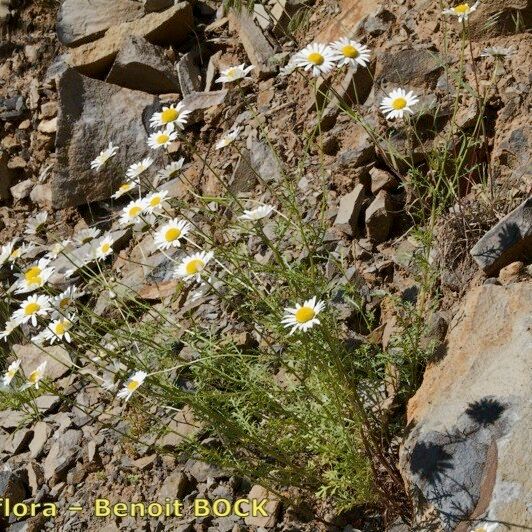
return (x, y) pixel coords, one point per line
(257, 214)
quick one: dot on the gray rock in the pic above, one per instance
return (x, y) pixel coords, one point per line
(188, 74)
(169, 27)
(143, 66)
(257, 48)
(41, 433)
(201, 471)
(89, 107)
(381, 179)
(508, 241)
(349, 210)
(174, 486)
(361, 150)
(151, 6)
(379, 217)
(12, 107)
(62, 455)
(21, 190)
(57, 358)
(82, 21)
(198, 102)
(11, 487)
(10, 419)
(472, 413)
(409, 67)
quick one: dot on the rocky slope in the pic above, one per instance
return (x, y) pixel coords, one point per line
(81, 73)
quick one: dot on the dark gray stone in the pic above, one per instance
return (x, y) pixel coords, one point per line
(88, 108)
(143, 66)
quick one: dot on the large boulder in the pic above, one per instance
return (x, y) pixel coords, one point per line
(82, 21)
(508, 241)
(171, 26)
(92, 114)
(143, 66)
(472, 415)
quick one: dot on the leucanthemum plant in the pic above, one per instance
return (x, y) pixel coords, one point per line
(317, 58)
(171, 234)
(398, 103)
(235, 73)
(347, 52)
(104, 156)
(162, 139)
(171, 117)
(461, 11)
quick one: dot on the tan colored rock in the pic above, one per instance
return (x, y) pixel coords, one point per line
(472, 415)
(271, 507)
(168, 27)
(352, 12)
(257, 48)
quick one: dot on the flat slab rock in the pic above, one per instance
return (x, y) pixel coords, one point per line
(171, 26)
(82, 21)
(508, 241)
(93, 113)
(473, 416)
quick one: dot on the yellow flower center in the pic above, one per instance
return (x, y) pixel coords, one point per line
(461, 9)
(64, 303)
(11, 373)
(156, 200)
(172, 234)
(316, 58)
(399, 103)
(350, 51)
(231, 73)
(60, 328)
(33, 275)
(133, 385)
(15, 254)
(194, 266)
(125, 187)
(34, 376)
(105, 248)
(163, 138)
(134, 211)
(304, 314)
(169, 115)
(31, 308)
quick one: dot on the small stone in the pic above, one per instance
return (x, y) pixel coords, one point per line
(272, 508)
(174, 486)
(510, 274)
(62, 455)
(381, 179)
(349, 210)
(48, 126)
(188, 74)
(49, 110)
(379, 217)
(41, 433)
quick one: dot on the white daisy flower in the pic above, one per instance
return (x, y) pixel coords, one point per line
(316, 57)
(302, 317)
(175, 115)
(59, 330)
(11, 371)
(161, 139)
(170, 172)
(192, 266)
(36, 224)
(497, 52)
(35, 376)
(86, 235)
(6, 251)
(235, 73)
(124, 188)
(33, 277)
(58, 248)
(132, 211)
(258, 213)
(63, 301)
(104, 156)
(132, 385)
(155, 201)
(31, 308)
(398, 103)
(135, 170)
(350, 53)
(103, 248)
(228, 138)
(462, 11)
(485, 527)
(170, 234)
(10, 326)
